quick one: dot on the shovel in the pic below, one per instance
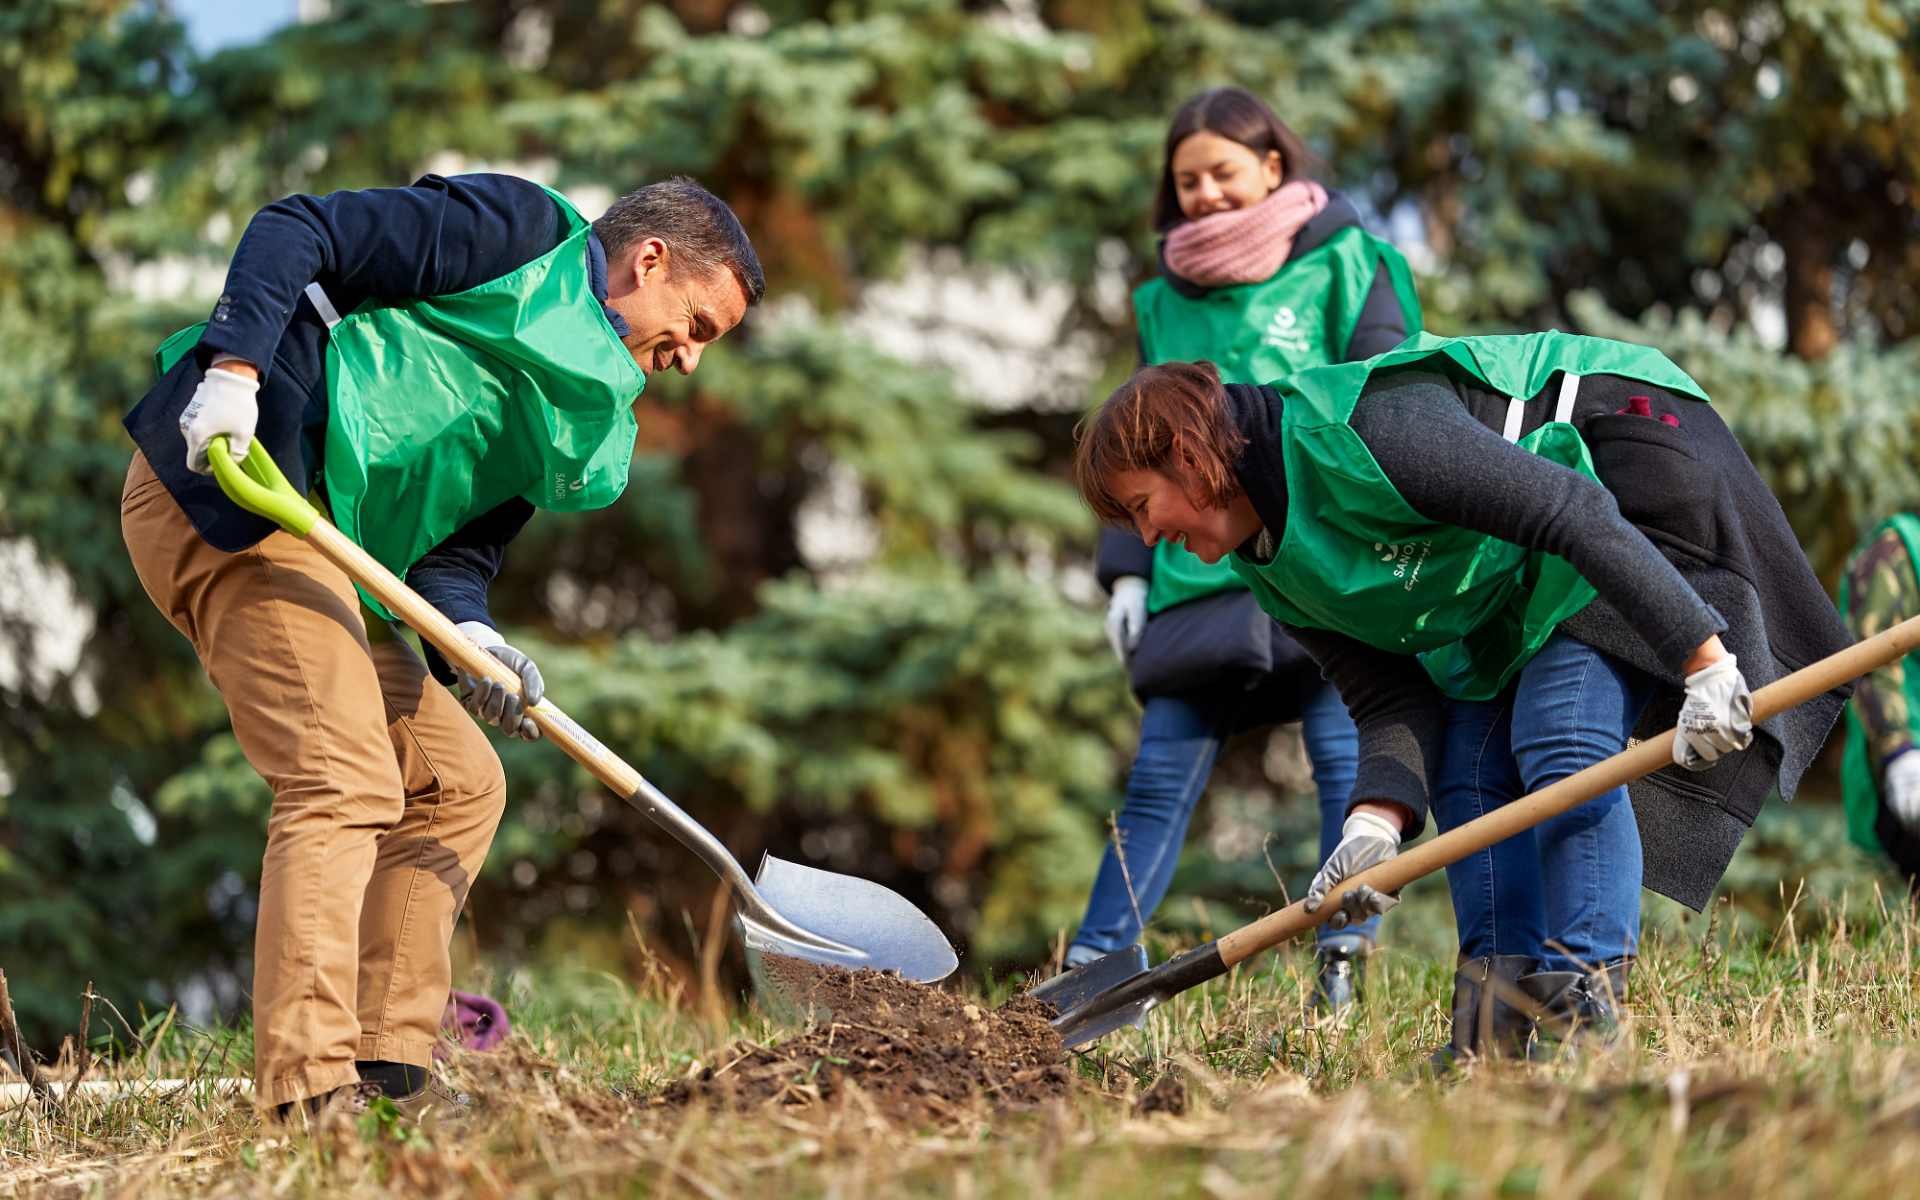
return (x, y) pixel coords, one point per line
(1118, 989)
(787, 911)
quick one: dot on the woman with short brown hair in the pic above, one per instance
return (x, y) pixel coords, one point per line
(1499, 549)
(1264, 271)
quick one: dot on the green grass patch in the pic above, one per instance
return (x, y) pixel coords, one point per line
(1761, 1058)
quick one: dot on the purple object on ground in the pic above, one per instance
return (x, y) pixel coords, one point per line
(476, 1022)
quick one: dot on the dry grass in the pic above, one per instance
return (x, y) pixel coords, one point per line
(1766, 1060)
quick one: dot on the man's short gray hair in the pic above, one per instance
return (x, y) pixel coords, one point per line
(701, 232)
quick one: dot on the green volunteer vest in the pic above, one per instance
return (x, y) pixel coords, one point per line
(1356, 559)
(1302, 317)
(444, 407)
(1859, 783)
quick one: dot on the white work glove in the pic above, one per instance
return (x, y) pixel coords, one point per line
(1126, 615)
(1716, 718)
(493, 703)
(224, 403)
(1900, 788)
(1366, 840)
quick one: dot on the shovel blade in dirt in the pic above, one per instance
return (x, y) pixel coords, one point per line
(1090, 1011)
(1070, 991)
(853, 922)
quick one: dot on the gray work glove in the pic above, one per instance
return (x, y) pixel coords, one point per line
(1365, 841)
(226, 402)
(1126, 615)
(1716, 718)
(493, 703)
(1900, 788)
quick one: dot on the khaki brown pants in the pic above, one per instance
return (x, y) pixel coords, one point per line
(386, 795)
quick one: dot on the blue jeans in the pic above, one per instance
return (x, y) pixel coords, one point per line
(1568, 890)
(1179, 740)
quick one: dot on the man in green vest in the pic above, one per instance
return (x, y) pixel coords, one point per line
(434, 362)
(1880, 774)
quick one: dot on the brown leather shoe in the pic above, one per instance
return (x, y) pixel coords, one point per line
(434, 1104)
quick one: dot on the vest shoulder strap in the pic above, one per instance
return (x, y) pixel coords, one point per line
(1562, 409)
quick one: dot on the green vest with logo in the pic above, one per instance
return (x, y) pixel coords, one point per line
(442, 408)
(1859, 782)
(1356, 559)
(1304, 316)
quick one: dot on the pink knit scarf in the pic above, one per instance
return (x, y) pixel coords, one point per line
(1244, 245)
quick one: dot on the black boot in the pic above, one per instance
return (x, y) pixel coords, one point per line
(1491, 1017)
(1577, 1006)
(1342, 968)
(395, 1080)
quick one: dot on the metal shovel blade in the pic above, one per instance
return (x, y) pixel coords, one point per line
(856, 923)
(1070, 991)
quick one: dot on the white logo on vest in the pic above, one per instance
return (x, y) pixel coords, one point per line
(1283, 332)
(1407, 558)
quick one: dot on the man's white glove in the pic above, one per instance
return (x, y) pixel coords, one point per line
(1366, 840)
(1716, 718)
(493, 703)
(1126, 615)
(1901, 788)
(226, 402)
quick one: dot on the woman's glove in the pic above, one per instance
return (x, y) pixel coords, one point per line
(493, 703)
(1716, 718)
(1126, 615)
(1366, 840)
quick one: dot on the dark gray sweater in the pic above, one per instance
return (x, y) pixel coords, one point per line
(1435, 439)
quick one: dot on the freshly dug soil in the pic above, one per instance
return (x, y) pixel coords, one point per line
(1167, 1095)
(920, 1054)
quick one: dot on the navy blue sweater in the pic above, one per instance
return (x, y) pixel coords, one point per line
(440, 236)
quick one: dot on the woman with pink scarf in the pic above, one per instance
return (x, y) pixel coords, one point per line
(1263, 272)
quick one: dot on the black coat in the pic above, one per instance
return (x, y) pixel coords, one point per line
(1741, 555)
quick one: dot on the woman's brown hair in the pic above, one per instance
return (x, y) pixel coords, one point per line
(1239, 116)
(1172, 419)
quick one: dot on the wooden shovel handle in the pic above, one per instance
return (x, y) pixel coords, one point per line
(255, 483)
(1576, 789)
(585, 749)
(458, 649)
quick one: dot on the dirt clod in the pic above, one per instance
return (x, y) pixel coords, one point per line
(1167, 1095)
(920, 1054)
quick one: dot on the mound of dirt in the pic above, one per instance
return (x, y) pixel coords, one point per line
(1167, 1095)
(918, 1053)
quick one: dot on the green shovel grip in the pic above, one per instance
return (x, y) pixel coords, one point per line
(256, 484)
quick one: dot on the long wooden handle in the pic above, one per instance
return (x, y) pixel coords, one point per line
(433, 625)
(1576, 789)
(255, 483)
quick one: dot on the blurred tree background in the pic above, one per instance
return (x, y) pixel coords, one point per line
(844, 611)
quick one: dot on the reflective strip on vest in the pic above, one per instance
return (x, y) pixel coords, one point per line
(317, 296)
(1569, 391)
(1562, 409)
